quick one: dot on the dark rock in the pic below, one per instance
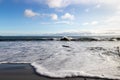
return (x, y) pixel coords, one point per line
(66, 39)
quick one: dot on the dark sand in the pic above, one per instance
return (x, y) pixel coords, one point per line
(27, 72)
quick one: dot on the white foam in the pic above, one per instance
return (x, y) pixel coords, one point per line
(67, 73)
(60, 74)
(50, 58)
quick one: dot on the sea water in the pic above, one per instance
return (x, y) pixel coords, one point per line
(65, 58)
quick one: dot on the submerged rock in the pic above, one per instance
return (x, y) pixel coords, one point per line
(65, 46)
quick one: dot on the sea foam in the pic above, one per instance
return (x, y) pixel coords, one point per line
(65, 59)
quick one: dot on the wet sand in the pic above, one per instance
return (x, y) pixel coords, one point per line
(27, 72)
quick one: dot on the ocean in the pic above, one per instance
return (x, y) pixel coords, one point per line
(82, 56)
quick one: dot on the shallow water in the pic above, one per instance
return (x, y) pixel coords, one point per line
(63, 59)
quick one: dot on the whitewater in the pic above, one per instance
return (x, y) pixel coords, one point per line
(65, 58)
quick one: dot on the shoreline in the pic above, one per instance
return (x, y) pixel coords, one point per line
(25, 71)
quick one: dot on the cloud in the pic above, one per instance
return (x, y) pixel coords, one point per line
(65, 3)
(113, 21)
(64, 22)
(58, 22)
(54, 16)
(30, 13)
(58, 3)
(93, 23)
(68, 16)
(108, 22)
(86, 23)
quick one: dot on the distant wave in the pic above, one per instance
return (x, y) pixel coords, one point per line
(57, 38)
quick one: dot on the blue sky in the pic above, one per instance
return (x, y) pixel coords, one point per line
(56, 16)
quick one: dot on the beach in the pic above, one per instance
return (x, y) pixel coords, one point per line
(18, 71)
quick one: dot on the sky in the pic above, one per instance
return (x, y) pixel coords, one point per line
(57, 16)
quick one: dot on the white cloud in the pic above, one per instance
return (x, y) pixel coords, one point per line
(113, 21)
(54, 16)
(106, 23)
(68, 16)
(93, 23)
(118, 12)
(109, 22)
(65, 3)
(86, 23)
(58, 22)
(30, 13)
(58, 3)
(64, 22)
(118, 8)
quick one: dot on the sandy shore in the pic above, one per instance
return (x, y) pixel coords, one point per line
(27, 72)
